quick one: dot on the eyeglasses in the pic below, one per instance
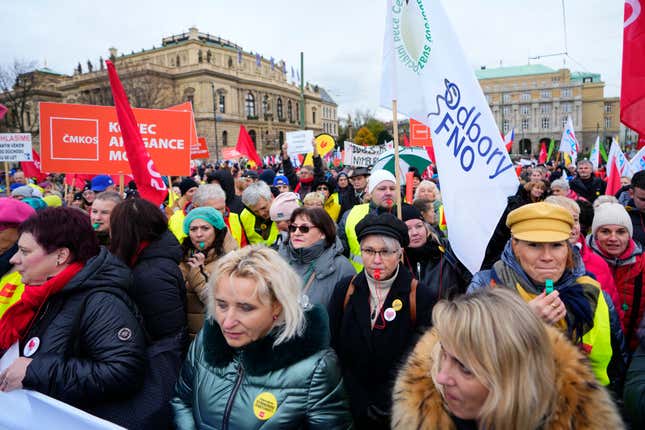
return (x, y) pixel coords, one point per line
(303, 228)
(383, 253)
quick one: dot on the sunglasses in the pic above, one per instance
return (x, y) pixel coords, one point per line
(303, 228)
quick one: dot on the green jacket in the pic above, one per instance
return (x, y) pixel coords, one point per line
(297, 384)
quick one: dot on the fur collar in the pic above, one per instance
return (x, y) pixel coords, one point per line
(582, 403)
(261, 357)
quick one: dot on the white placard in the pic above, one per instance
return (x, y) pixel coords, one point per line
(362, 156)
(300, 142)
(15, 147)
(9, 356)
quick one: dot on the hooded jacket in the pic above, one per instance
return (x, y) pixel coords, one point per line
(91, 345)
(582, 403)
(294, 385)
(327, 266)
(227, 182)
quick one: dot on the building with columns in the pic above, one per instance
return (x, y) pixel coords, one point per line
(226, 85)
(536, 100)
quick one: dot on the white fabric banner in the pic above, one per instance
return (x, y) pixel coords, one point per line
(624, 167)
(426, 71)
(569, 143)
(638, 162)
(594, 157)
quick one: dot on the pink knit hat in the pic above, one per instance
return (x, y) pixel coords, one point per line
(13, 212)
(283, 206)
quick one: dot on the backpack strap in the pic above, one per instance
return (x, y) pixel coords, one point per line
(350, 291)
(413, 302)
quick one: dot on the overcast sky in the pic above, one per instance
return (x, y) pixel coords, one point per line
(341, 39)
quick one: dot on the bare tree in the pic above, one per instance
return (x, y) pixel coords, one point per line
(17, 88)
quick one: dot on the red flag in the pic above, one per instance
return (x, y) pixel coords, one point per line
(246, 146)
(632, 93)
(613, 179)
(149, 182)
(3, 110)
(542, 157)
(406, 142)
(32, 168)
(641, 141)
(77, 180)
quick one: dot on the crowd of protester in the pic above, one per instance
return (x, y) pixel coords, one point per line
(284, 297)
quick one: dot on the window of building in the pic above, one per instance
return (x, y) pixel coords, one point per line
(525, 109)
(607, 108)
(564, 121)
(200, 57)
(545, 108)
(266, 105)
(506, 98)
(177, 61)
(222, 103)
(313, 115)
(545, 123)
(289, 111)
(525, 124)
(209, 56)
(489, 99)
(250, 104)
(224, 138)
(506, 110)
(566, 107)
(281, 138)
(278, 105)
(566, 92)
(526, 97)
(506, 125)
(546, 94)
(252, 134)
(607, 122)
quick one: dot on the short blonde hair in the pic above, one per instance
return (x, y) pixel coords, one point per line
(564, 202)
(512, 356)
(275, 281)
(430, 184)
(314, 197)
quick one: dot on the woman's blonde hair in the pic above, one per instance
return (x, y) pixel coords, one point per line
(430, 184)
(565, 202)
(275, 281)
(495, 334)
(314, 197)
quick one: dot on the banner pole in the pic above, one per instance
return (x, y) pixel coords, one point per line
(397, 173)
(6, 178)
(121, 183)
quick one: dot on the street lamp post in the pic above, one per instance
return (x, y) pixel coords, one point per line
(215, 119)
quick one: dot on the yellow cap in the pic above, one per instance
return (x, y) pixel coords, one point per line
(540, 222)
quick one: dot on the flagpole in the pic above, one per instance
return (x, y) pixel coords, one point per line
(6, 178)
(121, 183)
(397, 173)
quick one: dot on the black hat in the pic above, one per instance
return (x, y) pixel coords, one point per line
(409, 212)
(250, 174)
(360, 171)
(384, 224)
(186, 184)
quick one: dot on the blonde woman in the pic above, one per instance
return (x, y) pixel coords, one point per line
(429, 190)
(477, 370)
(261, 359)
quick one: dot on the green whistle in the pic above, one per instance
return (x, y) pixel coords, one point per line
(95, 225)
(549, 286)
(201, 245)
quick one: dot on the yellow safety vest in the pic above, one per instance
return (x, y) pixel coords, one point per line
(235, 227)
(597, 341)
(355, 215)
(176, 225)
(332, 206)
(248, 223)
(11, 289)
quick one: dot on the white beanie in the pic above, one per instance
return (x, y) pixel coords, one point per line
(611, 213)
(377, 177)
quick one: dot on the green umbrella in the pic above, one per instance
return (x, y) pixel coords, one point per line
(408, 157)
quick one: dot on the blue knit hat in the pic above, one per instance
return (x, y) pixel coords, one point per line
(208, 214)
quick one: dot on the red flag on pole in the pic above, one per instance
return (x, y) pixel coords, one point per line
(246, 146)
(613, 178)
(632, 92)
(542, 157)
(77, 180)
(406, 141)
(32, 168)
(149, 182)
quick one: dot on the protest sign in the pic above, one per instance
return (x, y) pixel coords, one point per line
(299, 142)
(419, 134)
(362, 156)
(325, 143)
(87, 139)
(199, 149)
(15, 147)
(231, 154)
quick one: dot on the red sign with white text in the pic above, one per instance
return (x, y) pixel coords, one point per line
(87, 139)
(199, 149)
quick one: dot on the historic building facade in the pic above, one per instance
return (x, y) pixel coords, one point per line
(226, 85)
(536, 100)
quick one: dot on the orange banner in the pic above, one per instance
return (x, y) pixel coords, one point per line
(199, 149)
(87, 139)
(419, 134)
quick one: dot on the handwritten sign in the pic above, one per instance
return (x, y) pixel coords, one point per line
(299, 142)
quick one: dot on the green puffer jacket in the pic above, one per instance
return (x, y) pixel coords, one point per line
(297, 384)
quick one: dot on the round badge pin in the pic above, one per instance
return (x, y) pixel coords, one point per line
(265, 405)
(31, 347)
(397, 305)
(389, 314)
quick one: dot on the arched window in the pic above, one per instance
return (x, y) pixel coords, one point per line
(177, 61)
(281, 138)
(209, 56)
(230, 62)
(250, 105)
(289, 111)
(224, 138)
(252, 134)
(279, 108)
(200, 57)
(313, 115)
(266, 106)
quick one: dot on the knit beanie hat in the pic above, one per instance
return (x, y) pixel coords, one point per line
(283, 206)
(377, 177)
(409, 212)
(611, 213)
(206, 213)
(187, 184)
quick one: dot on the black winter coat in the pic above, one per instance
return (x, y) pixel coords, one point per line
(158, 288)
(370, 357)
(91, 345)
(590, 188)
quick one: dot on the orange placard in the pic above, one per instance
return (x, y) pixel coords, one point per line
(419, 134)
(200, 149)
(325, 143)
(87, 139)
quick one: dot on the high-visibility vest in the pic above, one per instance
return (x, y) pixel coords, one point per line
(235, 227)
(176, 225)
(596, 343)
(332, 206)
(248, 220)
(356, 214)
(11, 289)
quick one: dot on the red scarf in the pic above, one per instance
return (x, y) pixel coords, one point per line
(16, 321)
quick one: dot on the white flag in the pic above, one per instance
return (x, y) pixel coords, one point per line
(624, 168)
(569, 143)
(594, 157)
(426, 71)
(638, 162)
